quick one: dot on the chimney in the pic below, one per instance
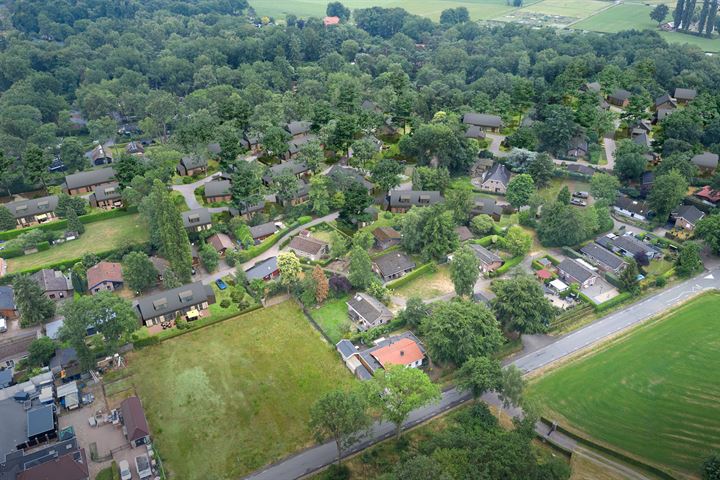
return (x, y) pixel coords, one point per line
(402, 353)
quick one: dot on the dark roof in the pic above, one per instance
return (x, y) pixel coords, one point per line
(68, 465)
(107, 192)
(690, 213)
(640, 137)
(369, 307)
(647, 178)
(135, 147)
(685, 93)
(408, 198)
(63, 357)
(217, 188)
(601, 255)
(263, 230)
(664, 99)
(294, 166)
(484, 255)
(487, 206)
(89, 177)
(50, 280)
(579, 143)
(474, 131)
(575, 270)
(298, 127)
(634, 206)
(582, 169)
(346, 348)
(7, 298)
(307, 244)
(593, 86)
(262, 269)
(706, 160)
(175, 299)
(40, 420)
(193, 161)
(663, 112)
(136, 425)
(249, 209)
(631, 244)
(394, 263)
(482, 120)
(383, 234)
(35, 206)
(339, 174)
(101, 151)
(498, 172)
(197, 216)
(620, 94)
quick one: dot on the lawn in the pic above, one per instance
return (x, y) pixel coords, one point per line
(550, 192)
(653, 393)
(333, 318)
(429, 285)
(230, 398)
(98, 237)
(621, 17)
(567, 8)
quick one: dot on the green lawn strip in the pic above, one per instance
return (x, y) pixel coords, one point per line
(332, 317)
(241, 389)
(660, 382)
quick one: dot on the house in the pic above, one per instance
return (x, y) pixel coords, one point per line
(581, 169)
(308, 247)
(665, 102)
(489, 262)
(197, 220)
(297, 129)
(264, 270)
(84, 182)
(496, 179)
(34, 211)
(687, 216)
(351, 356)
(487, 123)
(8, 309)
(708, 195)
(63, 460)
(605, 260)
(101, 155)
(628, 245)
(647, 180)
(591, 87)
(473, 131)
(106, 196)
(342, 176)
(404, 349)
(464, 234)
(135, 426)
(65, 364)
(487, 206)
(327, 21)
(247, 211)
(480, 166)
(217, 191)
(42, 423)
(251, 142)
(400, 201)
(165, 306)
(631, 208)
(263, 231)
(192, 165)
(386, 237)
(578, 148)
(393, 265)
(661, 114)
(619, 98)
(299, 169)
(296, 144)
(640, 137)
(300, 196)
(685, 95)
(367, 312)
(105, 276)
(706, 162)
(221, 243)
(135, 148)
(572, 271)
(54, 284)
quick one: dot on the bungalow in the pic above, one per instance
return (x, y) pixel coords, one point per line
(487, 206)
(263, 231)
(489, 262)
(464, 234)
(251, 142)
(496, 179)
(84, 182)
(400, 201)
(661, 114)
(386, 237)
(221, 243)
(404, 349)
(308, 247)
(685, 95)
(106, 196)
(687, 216)
(104, 276)
(54, 284)
(192, 165)
(367, 312)
(665, 102)
(247, 211)
(296, 144)
(135, 148)
(631, 208)
(36, 210)
(578, 148)
(619, 98)
(393, 265)
(197, 220)
(299, 169)
(604, 259)
(264, 270)
(706, 162)
(572, 271)
(217, 191)
(708, 195)
(297, 129)
(473, 131)
(628, 245)
(8, 309)
(300, 196)
(342, 176)
(135, 426)
(190, 299)
(101, 155)
(488, 123)
(581, 169)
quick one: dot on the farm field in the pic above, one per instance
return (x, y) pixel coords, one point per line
(230, 398)
(621, 17)
(98, 237)
(661, 382)
(567, 8)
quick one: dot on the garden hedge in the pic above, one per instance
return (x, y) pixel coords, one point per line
(266, 244)
(623, 297)
(62, 223)
(508, 265)
(421, 270)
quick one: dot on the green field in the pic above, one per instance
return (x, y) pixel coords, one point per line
(567, 8)
(333, 318)
(98, 237)
(230, 398)
(655, 393)
(427, 286)
(621, 17)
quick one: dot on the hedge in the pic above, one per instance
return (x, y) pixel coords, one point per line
(570, 252)
(613, 302)
(508, 265)
(613, 279)
(421, 270)
(487, 241)
(62, 223)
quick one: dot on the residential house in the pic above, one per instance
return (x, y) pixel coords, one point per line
(8, 309)
(661, 114)
(591, 87)
(665, 102)
(252, 143)
(687, 217)
(619, 98)
(709, 196)
(604, 259)
(685, 95)
(297, 129)
(628, 207)
(393, 265)
(474, 131)
(248, 210)
(706, 162)
(489, 262)
(54, 284)
(578, 148)
(65, 363)
(63, 460)
(197, 220)
(367, 312)
(217, 191)
(299, 169)
(264, 270)
(572, 271)
(135, 425)
(101, 155)
(404, 349)
(308, 247)
(301, 195)
(107, 196)
(192, 165)
(342, 176)
(487, 123)
(628, 245)
(647, 180)
(263, 231)
(190, 300)
(104, 276)
(487, 206)
(84, 182)
(221, 243)
(496, 179)
(400, 201)
(386, 237)
(464, 234)
(34, 211)
(581, 169)
(296, 144)
(327, 21)
(135, 148)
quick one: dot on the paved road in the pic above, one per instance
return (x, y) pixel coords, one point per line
(188, 192)
(318, 457)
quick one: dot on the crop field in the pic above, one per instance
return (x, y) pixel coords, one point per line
(654, 393)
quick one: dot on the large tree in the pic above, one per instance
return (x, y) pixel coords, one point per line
(630, 159)
(357, 200)
(562, 224)
(480, 375)
(517, 241)
(708, 229)
(667, 192)
(360, 269)
(290, 268)
(439, 144)
(342, 416)
(32, 304)
(138, 271)
(464, 271)
(688, 261)
(386, 174)
(520, 305)
(246, 188)
(7, 219)
(541, 169)
(520, 189)
(557, 129)
(604, 188)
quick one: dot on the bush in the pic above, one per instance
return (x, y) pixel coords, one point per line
(188, 180)
(613, 302)
(225, 303)
(421, 270)
(336, 472)
(660, 281)
(508, 265)
(387, 215)
(571, 252)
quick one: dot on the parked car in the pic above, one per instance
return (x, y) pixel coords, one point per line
(3, 325)
(124, 467)
(142, 463)
(581, 194)
(220, 284)
(578, 202)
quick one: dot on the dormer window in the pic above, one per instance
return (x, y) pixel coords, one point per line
(160, 304)
(186, 296)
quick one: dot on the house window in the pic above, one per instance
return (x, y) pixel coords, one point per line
(52, 296)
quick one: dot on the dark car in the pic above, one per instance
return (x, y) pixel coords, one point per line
(220, 284)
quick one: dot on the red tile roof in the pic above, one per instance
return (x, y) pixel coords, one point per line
(331, 21)
(708, 194)
(104, 272)
(403, 352)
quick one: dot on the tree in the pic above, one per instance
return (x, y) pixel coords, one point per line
(480, 375)
(342, 416)
(209, 257)
(289, 266)
(36, 163)
(7, 167)
(286, 185)
(688, 261)
(604, 188)
(523, 137)
(708, 229)
(541, 169)
(40, 351)
(275, 141)
(361, 274)
(667, 192)
(458, 330)
(319, 194)
(126, 168)
(386, 174)
(78, 277)
(338, 245)
(629, 278)
(558, 128)
(357, 200)
(363, 151)
(246, 187)
(630, 160)
(32, 304)
(512, 386)
(464, 271)
(520, 305)
(429, 178)
(363, 239)
(519, 190)
(440, 144)
(711, 467)
(170, 279)
(460, 202)
(396, 391)
(337, 9)
(312, 155)
(7, 219)
(564, 195)
(322, 287)
(73, 222)
(438, 233)
(482, 224)
(415, 312)
(517, 241)
(636, 109)
(67, 203)
(679, 162)
(138, 271)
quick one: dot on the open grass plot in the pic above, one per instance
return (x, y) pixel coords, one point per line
(626, 16)
(333, 318)
(654, 393)
(427, 286)
(567, 8)
(230, 398)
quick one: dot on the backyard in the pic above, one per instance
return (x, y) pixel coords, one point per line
(230, 398)
(428, 285)
(333, 318)
(660, 382)
(98, 237)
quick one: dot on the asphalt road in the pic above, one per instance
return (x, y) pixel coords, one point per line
(317, 457)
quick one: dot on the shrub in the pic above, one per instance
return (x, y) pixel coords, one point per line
(225, 303)
(387, 215)
(613, 302)
(660, 281)
(421, 270)
(337, 472)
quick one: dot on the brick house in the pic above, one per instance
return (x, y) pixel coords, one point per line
(166, 306)
(34, 211)
(105, 276)
(217, 191)
(197, 220)
(54, 284)
(84, 182)
(191, 165)
(106, 196)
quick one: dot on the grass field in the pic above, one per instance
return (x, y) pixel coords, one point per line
(98, 237)
(567, 8)
(621, 17)
(429, 285)
(230, 398)
(333, 318)
(653, 393)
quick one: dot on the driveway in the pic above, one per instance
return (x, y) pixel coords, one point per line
(495, 142)
(188, 193)
(609, 145)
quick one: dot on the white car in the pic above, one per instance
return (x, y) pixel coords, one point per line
(124, 467)
(3, 325)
